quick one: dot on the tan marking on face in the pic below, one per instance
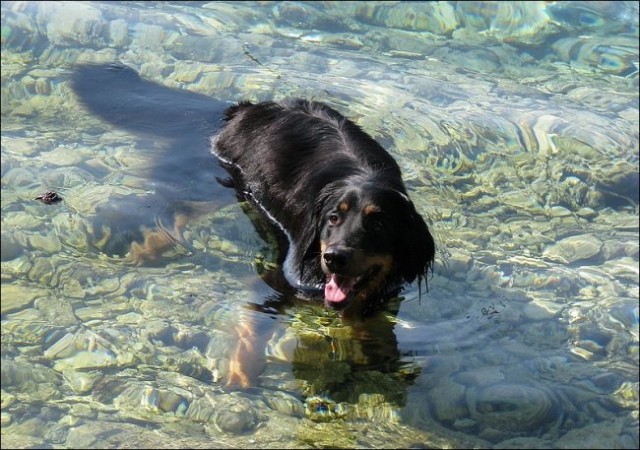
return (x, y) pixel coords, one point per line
(344, 207)
(371, 209)
(376, 283)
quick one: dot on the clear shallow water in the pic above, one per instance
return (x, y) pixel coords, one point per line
(516, 129)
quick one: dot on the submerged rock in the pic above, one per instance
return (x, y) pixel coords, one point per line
(573, 249)
(511, 407)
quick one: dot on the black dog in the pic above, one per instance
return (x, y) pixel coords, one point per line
(336, 193)
(351, 234)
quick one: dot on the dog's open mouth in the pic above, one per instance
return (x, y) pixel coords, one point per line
(340, 288)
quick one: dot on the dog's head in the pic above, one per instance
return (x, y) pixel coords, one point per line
(372, 241)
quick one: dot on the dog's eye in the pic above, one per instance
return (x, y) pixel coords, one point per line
(334, 219)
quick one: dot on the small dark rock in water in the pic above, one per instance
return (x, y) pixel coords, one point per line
(49, 198)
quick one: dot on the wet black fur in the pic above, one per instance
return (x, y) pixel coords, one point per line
(293, 159)
(296, 159)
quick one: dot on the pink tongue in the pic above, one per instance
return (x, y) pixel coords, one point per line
(336, 290)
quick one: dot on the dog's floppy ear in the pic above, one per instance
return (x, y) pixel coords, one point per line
(417, 247)
(308, 253)
(312, 230)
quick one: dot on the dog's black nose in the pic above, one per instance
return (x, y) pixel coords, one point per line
(336, 258)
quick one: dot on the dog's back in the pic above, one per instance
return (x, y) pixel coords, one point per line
(289, 152)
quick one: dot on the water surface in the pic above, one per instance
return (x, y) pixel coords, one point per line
(516, 127)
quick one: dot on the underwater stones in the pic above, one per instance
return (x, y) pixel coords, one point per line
(42, 86)
(118, 32)
(27, 328)
(447, 401)
(86, 360)
(284, 403)
(19, 33)
(163, 401)
(66, 176)
(615, 54)
(122, 435)
(19, 178)
(82, 381)
(541, 308)
(371, 406)
(227, 413)
(307, 15)
(480, 377)
(573, 249)
(148, 37)
(342, 40)
(203, 48)
(630, 114)
(620, 182)
(623, 268)
(63, 156)
(10, 248)
(71, 230)
(325, 435)
(498, 19)
(511, 407)
(143, 400)
(236, 416)
(49, 243)
(627, 395)
(7, 399)
(56, 311)
(523, 442)
(18, 297)
(626, 221)
(37, 381)
(91, 197)
(322, 409)
(187, 72)
(599, 100)
(71, 23)
(90, 350)
(19, 147)
(282, 348)
(216, 81)
(437, 18)
(99, 311)
(5, 419)
(190, 363)
(586, 213)
(596, 435)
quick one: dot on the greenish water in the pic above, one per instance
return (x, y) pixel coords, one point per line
(516, 127)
